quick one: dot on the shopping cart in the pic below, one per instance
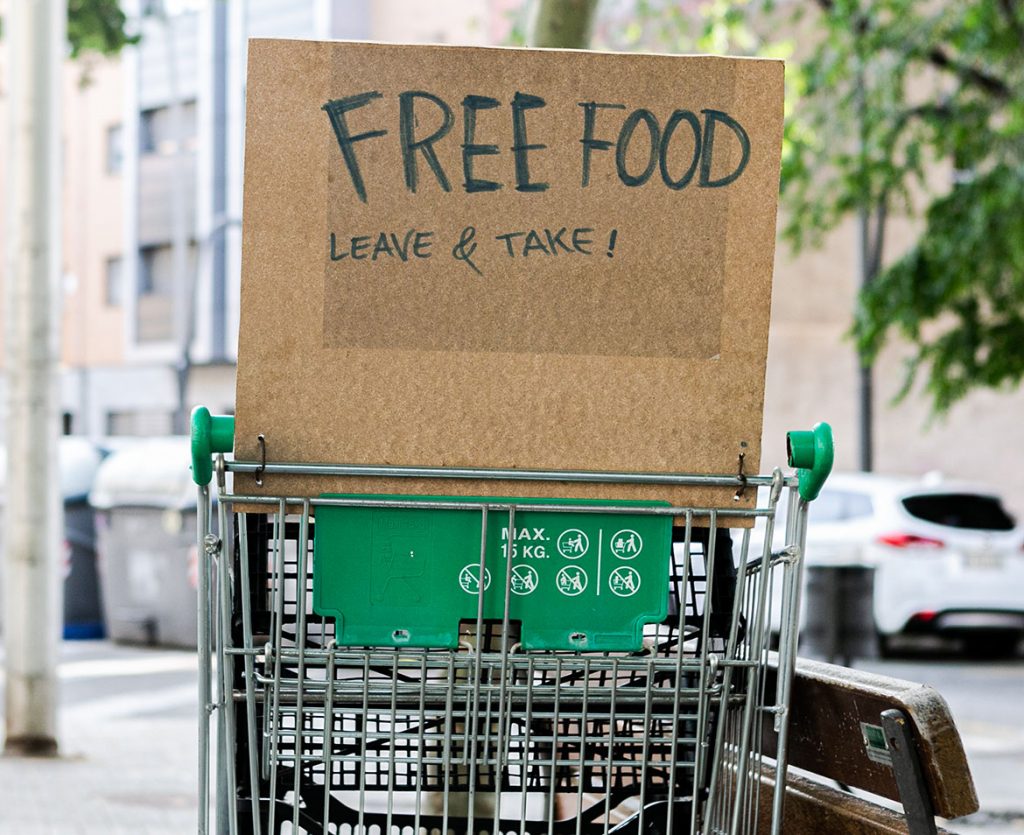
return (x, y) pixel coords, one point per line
(394, 664)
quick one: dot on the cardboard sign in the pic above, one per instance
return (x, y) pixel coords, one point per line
(508, 259)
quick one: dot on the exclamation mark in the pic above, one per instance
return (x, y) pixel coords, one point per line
(611, 243)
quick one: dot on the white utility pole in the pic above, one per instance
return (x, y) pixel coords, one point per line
(33, 523)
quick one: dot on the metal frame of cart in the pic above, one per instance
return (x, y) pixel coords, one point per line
(488, 736)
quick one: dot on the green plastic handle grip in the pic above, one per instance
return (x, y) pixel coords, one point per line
(210, 434)
(812, 453)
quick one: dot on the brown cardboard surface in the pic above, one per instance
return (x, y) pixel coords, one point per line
(436, 320)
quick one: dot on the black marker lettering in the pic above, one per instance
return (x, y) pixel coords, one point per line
(336, 110)
(402, 249)
(590, 144)
(666, 140)
(410, 145)
(421, 246)
(555, 241)
(534, 244)
(711, 117)
(521, 102)
(359, 245)
(507, 238)
(580, 243)
(382, 247)
(622, 147)
(470, 149)
(335, 255)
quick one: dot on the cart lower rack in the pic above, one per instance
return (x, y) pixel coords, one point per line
(355, 692)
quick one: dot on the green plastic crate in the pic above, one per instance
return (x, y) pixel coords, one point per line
(408, 576)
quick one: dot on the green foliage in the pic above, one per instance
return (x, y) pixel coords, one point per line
(97, 26)
(957, 295)
(911, 105)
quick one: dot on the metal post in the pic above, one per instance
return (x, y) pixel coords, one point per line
(869, 252)
(865, 384)
(33, 515)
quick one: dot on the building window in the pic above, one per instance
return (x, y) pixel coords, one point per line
(155, 291)
(115, 149)
(158, 132)
(112, 296)
(147, 131)
(147, 422)
(155, 298)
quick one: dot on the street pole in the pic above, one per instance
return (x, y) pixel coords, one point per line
(869, 261)
(865, 383)
(34, 37)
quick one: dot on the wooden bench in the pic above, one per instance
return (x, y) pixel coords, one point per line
(890, 737)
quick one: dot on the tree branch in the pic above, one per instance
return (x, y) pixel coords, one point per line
(992, 85)
(939, 58)
(1009, 8)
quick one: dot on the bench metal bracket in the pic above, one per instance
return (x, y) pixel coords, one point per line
(914, 795)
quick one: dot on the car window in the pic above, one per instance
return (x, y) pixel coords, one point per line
(960, 510)
(840, 505)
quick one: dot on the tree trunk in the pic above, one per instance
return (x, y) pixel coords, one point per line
(564, 24)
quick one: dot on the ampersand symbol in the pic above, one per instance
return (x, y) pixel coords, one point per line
(464, 249)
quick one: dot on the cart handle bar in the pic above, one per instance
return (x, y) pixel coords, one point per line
(810, 452)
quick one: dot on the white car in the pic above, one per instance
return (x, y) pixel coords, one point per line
(948, 558)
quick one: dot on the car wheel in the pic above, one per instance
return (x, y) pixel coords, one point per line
(885, 649)
(992, 644)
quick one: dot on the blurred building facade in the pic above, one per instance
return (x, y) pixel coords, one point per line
(152, 242)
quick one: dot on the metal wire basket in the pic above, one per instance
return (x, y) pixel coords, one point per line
(315, 735)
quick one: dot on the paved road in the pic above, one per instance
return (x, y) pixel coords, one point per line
(128, 737)
(127, 730)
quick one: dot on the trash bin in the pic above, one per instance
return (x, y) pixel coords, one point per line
(839, 624)
(78, 461)
(83, 608)
(145, 505)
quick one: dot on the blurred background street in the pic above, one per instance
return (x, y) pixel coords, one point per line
(128, 738)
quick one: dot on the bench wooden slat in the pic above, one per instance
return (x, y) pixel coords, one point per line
(813, 809)
(827, 707)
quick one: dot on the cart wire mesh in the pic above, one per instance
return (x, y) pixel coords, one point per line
(314, 737)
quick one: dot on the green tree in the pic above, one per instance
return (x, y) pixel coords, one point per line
(918, 107)
(97, 26)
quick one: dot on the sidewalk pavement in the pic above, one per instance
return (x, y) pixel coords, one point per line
(127, 734)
